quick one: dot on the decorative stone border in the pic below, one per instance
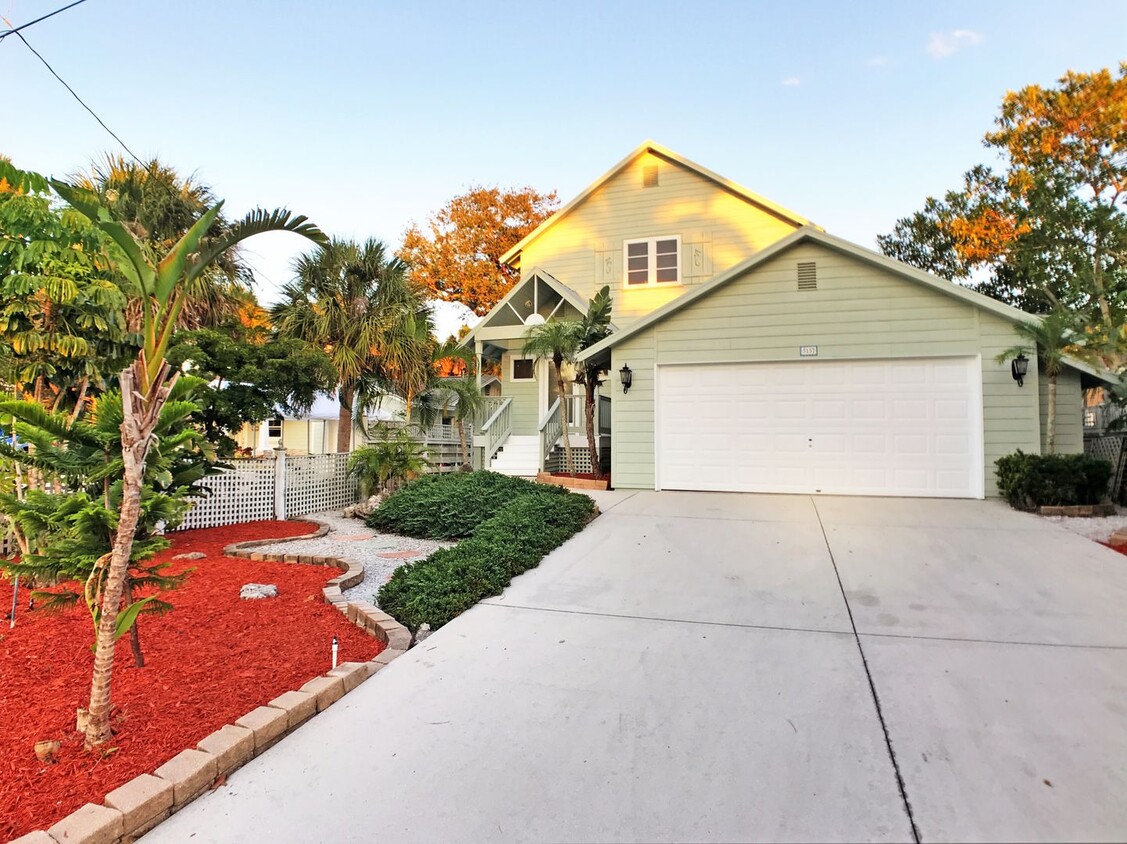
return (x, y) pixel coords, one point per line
(132, 809)
(1080, 510)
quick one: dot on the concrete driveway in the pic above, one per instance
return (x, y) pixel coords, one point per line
(700, 666)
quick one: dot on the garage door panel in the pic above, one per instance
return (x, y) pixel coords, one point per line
(891, 427)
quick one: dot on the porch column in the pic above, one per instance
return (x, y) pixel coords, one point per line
(479, 352)
(263, 437)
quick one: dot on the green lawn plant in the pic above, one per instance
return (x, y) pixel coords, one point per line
(392, 458)
(451, 506)
(515, 538)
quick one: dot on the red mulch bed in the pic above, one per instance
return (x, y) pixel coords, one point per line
(586, 476)
(208, 662)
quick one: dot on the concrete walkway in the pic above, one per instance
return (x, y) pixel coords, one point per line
(734, 667)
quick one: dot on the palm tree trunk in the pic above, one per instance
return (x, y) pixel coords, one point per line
(1051, 425)
(561, 386)
(590, 386)
(344, 419)
(140, 414)
(462, 439)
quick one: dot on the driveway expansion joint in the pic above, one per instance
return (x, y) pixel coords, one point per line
(733, 624)
(872, 685)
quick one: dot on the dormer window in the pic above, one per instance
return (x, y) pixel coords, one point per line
(655, 260)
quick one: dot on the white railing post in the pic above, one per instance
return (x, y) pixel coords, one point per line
(280, 484)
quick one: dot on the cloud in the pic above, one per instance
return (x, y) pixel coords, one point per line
(792, 82)
(940, 45)
(876, 61)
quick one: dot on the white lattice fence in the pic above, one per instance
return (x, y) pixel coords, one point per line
(243, 493)
(318, 482)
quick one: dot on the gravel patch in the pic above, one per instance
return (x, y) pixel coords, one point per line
(1097, 528)
(379, 553)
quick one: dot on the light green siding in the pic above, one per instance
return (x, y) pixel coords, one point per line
(718, 229)
(1070, 413)
(857, 311)
(526, 398)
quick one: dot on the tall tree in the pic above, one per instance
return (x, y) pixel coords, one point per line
(162, 285)
(458, 255)
(361, 307)
(158, 206)
(1048, 229)
(557, 341)
(61, 311)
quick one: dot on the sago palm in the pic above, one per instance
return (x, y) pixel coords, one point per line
(162, 287)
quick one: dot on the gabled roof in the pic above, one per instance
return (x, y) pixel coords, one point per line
(669, 155)
(815, 235)
(566, 293)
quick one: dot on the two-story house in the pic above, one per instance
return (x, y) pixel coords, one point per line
(761, 353)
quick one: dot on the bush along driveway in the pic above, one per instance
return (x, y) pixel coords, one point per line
(507, 526)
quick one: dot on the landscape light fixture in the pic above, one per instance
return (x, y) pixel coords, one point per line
(1019, 368)
(627, 376)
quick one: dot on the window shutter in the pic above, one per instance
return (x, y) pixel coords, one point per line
(807, 275)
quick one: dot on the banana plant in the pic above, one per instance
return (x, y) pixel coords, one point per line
(160, 285)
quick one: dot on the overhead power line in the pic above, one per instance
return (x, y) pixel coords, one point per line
(16, 30)
(73, 93)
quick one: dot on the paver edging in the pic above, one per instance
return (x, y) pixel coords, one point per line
(1077, 510)
(395, 637)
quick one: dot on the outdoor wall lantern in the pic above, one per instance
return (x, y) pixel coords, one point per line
(1019, 368)
(627, 376)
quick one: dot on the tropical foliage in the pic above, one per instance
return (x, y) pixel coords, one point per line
(360, 306)
(391, 458)
(161, 284)
(1047, 229)
(67, 534)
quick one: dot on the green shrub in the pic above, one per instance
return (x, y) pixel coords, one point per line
(514, 539)
(450, 506)
(1029, 481)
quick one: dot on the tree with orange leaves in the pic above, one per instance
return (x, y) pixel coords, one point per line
(458, 256)
(1049, 229)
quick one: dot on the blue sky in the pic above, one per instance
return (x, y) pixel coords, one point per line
(368, 115)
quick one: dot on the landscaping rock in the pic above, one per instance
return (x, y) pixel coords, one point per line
(46, 751)
(254, 591)
(364, 508)
(422, 633)
(190, 555)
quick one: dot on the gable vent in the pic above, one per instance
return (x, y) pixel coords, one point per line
(649, 176)
(807, 275)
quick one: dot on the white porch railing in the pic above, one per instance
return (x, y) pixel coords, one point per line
(497, 426)
(551, 427)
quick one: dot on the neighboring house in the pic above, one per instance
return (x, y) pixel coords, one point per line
(313, 432)
(765, 355)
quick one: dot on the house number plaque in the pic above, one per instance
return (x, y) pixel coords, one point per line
(808, 351)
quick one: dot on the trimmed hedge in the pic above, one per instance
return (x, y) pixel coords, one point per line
(450, 506)
(1029, 481)
(514, 539)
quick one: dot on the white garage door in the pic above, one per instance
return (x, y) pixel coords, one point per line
(881, 427)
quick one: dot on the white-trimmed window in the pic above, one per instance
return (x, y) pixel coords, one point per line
(655, 260)
(523, 369)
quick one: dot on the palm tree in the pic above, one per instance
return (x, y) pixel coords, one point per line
(557, 341)
(462, 396)
(360, 307)
(162, 287)
(593, 327)
(158, 205)
(1051, 337)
